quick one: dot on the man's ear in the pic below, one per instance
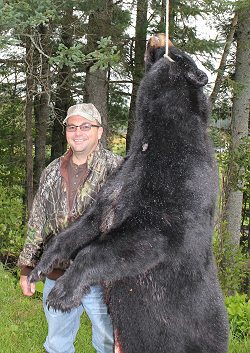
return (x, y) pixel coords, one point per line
(100, 132)
(197, 78)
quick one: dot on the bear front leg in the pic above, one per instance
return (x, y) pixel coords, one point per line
(66, 245)
(66, 295)
(106, 261)
(69, 289)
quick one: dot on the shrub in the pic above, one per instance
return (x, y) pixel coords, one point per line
(231, 262)
(238, 308)
(11, 227)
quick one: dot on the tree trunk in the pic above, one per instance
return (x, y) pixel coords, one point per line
(63, 98)
(240, 118)
(62, 103)
(96, 83)
(96, 92)
(138, 69)
(41, 106)
(221, 69)
(29, 123)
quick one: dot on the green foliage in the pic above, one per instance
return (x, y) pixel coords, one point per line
(118, 110)
(68, 56)
(117, 144)
(238, 160)
(231, 262)
(220, 142)
(231, 259)
(242, 5)
(118, 14)
(11, 228)
(21, 14)
(238, 308)
(106, 55)
(118, 119)
(241, 158)
(12, 156)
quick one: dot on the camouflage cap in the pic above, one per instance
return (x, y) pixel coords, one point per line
(85, 110)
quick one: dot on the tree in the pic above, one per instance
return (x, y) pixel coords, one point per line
(224, 57)
(105, 26)
(41, 99)
(56, 53)
(29, 123)
(240, 121)
(63, 80)
(96, 84)
(138, 64)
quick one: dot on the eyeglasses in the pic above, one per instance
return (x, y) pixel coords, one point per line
(83, 127)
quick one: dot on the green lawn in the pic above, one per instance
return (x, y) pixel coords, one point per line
(23, 326)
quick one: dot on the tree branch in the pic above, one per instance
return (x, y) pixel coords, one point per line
(223, 61)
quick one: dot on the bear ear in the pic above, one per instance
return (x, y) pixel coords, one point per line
(193, 75)
(197, 78)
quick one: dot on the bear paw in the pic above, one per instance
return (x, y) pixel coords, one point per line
(64, 298)
(36, 275)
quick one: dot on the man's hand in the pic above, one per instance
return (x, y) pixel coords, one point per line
(27, 288)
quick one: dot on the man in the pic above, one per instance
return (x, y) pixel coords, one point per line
(67, 187)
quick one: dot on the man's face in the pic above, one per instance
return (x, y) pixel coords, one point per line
(83, 141)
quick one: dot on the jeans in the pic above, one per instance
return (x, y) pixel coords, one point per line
(63, 327)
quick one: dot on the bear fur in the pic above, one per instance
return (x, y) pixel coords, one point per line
(148, 237)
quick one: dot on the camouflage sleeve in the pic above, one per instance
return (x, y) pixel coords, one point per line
(33, 244)
(114, 161)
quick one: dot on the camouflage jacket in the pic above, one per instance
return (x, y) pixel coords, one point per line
(50, 212)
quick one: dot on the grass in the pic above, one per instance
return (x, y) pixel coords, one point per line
(236, 346)
(23, 325)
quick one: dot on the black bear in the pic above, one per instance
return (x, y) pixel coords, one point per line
(148, 237)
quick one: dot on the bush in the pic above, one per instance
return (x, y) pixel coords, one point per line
(238, 308)
(11, 227)
(231, 262)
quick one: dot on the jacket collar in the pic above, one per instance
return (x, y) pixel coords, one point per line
(65, 159)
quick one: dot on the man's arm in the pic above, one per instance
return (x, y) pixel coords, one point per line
(76, 236)
(28, 288)
(30, 254)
